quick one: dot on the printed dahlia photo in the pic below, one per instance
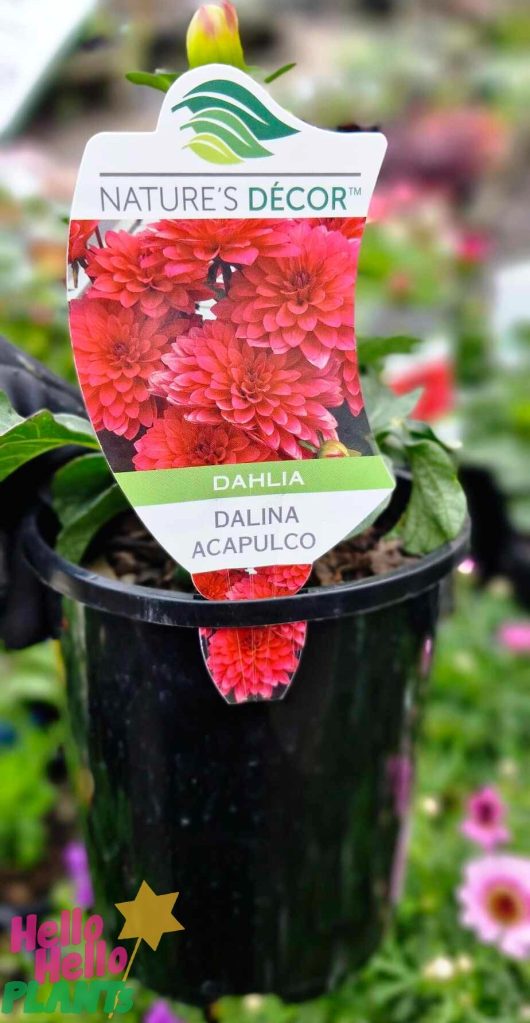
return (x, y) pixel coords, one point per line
(214, 376)
(188, 247)
(80, 234)
(222, 342)
(253, 584)
(302, 301)
(253, 663)
(116, 351)
(172, 442)
(126, 271)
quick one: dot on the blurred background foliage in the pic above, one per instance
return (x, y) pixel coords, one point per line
(445, 258)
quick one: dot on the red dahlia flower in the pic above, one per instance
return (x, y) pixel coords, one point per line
(252, 663)
(116, 350)
(350, 227)
(173, 443)
(126, 271)
(78, 237)
(216, 377)
(273, 581)
(238, 584)
(351, 383)
(189, 246)
(303, 301)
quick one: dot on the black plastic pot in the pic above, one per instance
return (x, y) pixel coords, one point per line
(282, 825)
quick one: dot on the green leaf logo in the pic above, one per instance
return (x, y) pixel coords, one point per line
(229, 123)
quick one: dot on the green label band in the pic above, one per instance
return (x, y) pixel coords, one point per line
(208, 482)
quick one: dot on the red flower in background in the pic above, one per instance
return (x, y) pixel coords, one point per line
(172, 443)
(253, 662)
(187, 247)
(116, 350)
(126, 272)
(79, 235)
(216, 377)
(437, 379)
(303, 301)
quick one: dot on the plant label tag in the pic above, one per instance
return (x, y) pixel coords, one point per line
(212, 268)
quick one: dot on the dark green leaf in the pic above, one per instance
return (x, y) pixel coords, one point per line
(79, 482)
(437, 507)
(279, 72)
(372, 349)
(160, 80)
(85, 497)
(82, 527)
(21, 440)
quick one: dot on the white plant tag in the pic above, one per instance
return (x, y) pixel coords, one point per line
(212, 278)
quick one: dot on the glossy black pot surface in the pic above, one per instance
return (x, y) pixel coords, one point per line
(283, 825)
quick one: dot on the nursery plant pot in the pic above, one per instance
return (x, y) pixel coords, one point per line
(282, 825)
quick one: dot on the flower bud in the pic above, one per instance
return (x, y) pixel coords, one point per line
(213, 36)
(333, 449)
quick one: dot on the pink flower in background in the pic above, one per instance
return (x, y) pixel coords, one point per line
(495, 902)
(485, 820)
(76, 863)
(300, 302)
(125, 271)
(188, 247)
(160, 1012)
(515, 636)
(215, 377)
(172, 442)
(79, 235)
(253, 662)
(116, 350)
(473, 248)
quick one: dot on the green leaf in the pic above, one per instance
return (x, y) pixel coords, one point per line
(82, 527)
(386, 410)
(21, 440)
(279, 72)
(437, 507)
(85, 497)
(79, 482)
(372, 349)
(8, 416)
(160, 80)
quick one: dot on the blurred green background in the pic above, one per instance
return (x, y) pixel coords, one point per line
(446, 258)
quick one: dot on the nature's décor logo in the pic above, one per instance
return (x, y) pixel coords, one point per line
(230, 123)
(74, 971)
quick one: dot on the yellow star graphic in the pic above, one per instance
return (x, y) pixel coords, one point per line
(149, 916)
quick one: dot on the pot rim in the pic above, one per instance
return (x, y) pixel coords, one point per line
(188, 610)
